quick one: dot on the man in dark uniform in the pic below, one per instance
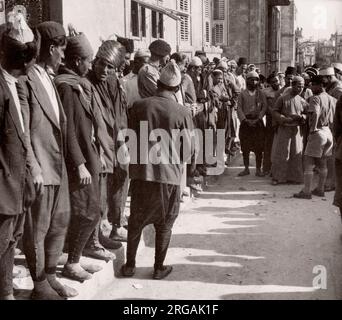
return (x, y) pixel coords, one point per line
(156, 185)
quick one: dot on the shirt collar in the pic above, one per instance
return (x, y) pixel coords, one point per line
(8, 77)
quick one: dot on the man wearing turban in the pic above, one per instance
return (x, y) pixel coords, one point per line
(113, 107)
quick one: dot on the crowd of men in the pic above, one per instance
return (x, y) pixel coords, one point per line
(62, 109)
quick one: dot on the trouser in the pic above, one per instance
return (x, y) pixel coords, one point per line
(157, 204)
(103, 185)
(269, 137)
(117, 188)
(11, 230)
(45, 232)
(258, 156)
(338, 193)
(85, 216)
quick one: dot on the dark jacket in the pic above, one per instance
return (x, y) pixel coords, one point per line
(110, 99)
(47, 139)
(82, 141)
(161, 112)
(13, 155)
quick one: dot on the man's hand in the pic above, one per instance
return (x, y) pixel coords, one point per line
(39, 184)
(84, 175)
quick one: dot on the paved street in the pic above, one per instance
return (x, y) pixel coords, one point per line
(245, 239)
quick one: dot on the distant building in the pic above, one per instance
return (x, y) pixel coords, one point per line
(261, 30)
(185, 24)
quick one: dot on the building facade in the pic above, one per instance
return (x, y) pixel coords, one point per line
(260, 30)
(185, 24)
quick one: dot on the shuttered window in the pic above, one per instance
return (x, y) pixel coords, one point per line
(218, 33)
(219, 9)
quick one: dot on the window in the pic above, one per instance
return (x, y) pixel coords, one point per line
(157, 25)
(135, 19)
(207, 8)
(219, 9)
(161, 26)
(207, 32)
(218, 33)
(184, 29)
(143, 21)
(154, 25)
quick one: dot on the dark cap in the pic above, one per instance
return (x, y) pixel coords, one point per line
(50, 30)
(127, 43)
(160, 48)
(242, 61)
(317, 80)
(291, 71)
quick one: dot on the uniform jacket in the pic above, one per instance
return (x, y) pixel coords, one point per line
(13, 155)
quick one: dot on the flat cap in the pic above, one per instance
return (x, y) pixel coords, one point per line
(160, 48)
(50, 30)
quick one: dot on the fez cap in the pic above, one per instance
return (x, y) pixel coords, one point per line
(50, 30)
(291, 71)
(127, 43)
(160, 48)
(242, 60)
(171, 75)
(78, 44)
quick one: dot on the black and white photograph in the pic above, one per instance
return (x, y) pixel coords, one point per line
(181, 151)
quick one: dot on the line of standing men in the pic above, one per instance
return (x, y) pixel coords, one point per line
(59, 172)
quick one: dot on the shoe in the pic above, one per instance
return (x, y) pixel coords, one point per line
(162, 273)
(196, 187)
(43, 291)
(91, 268)
(260, 174)
(318, 193)
(99, 253)
(186, 194)
(118, 234)
(302, 195)
(244, 173)
(72, 274)
(109, 243)
(329, 189)
(267, 173)
(127, 272)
